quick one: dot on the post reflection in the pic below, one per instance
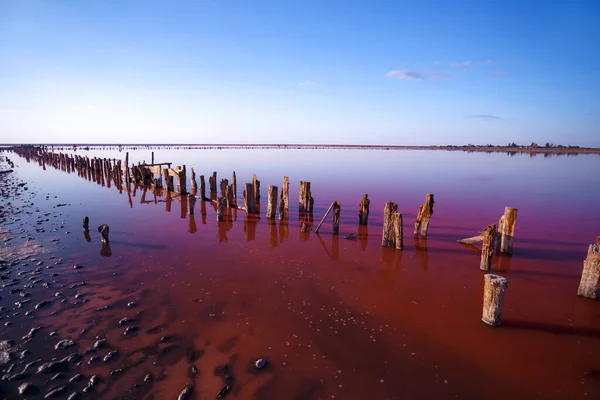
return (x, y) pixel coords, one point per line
(420, 243)
(87, 236)
(272, 224)
(203, 211)
(363, 236)
(105, 251)
(391, 260)
(192, 224)
(283, 230)
(250, 222)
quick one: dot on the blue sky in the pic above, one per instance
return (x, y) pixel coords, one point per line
(361, 72)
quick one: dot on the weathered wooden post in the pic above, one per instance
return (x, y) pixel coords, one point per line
(191, 200)
(363, 210)
(304, 200)
(256, 184)
(152, 158)
(507, 229)
(272, 201)
(392, 227)
(487, 249)
(285, 193)
(222, 185)
(221, 204)
(86, 224)
(202, 188)
(165, 172)
(589, 286)
(424, 215)
(181, 180)
(126, 166)
(103, 229)
(193, 182)
(234, 186)
(250, 199)
(337, 207)
(212, 181)
(281, 207)
(493, 298)
(229, 195)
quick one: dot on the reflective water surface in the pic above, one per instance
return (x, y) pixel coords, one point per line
(335, 318)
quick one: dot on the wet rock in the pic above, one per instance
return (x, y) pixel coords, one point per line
(77, 266)
(148, 378)
(125, 320)
(129, 330)
(78, 296)
(53, 333)
(89, 350)
(164, 339)
(110, 356)
(93, 381)
(26, 388)
(41, 304)
(194, 370)
(64, 344)
(58, 376)
(103, 308)
(58, 294)
(260, 363)
(74, 396)
(6, 351)
(93, 359)
(56, 392)
(32, 364)
(19, 376)
(75, 378)
(49, 367)
(223, 392)
(24, 354)
(116, 371)
(72, 358)
(132, 304)
(76, 285)
(99, 343)
(29, 336)
(185, 393)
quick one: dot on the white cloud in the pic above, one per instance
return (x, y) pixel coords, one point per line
(405, 75)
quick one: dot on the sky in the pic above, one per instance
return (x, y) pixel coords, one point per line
(300, 71)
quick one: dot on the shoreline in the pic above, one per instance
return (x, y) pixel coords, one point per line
(572, 150)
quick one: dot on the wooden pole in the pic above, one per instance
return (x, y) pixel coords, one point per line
(272, 201)
(182, 180)
(281, 209)
(212, 181)
(507, 229)
(304, 200)
(337, 208)
(487, 250)
(221, 204)
(324, 216)
(103, 229)
(229, 195)
(193, 183)
(250, 199)
(222, 185)
(285, 193)
(165, 172)
(202, 188)
(393, 230)
(234, 185)
(424, 215)
(152, 157)
(589, 286)
(256, 184)
(363, 210)
(493, 298)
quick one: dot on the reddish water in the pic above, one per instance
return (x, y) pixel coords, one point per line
(335, 318)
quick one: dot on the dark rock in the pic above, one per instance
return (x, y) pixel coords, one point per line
(93, 359)
(185, 393)
(129, 330)
(125, 320)
(223, 392)
(148, 378)
(26, 388)
(56, 392)
(41, 304)
(110, 356)
(64, 344)
(75, 378)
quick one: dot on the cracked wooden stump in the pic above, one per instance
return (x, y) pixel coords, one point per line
(506, 229)
(86, 224)
(363, 210)
(337, 208)
(193, 183)
(234, 186)
(424, 215)
(103, 229)
(222, 186)
(304, 197)
(212, 182)
(392, 227)
(285, 193)
(589, 286)
(191, 202)
(250, 199)
(487, 249)
(493, 298)
(256, 185)
(202, 188)
(272, 201)
(221, 205)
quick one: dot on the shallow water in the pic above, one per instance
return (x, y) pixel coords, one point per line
(334, 317)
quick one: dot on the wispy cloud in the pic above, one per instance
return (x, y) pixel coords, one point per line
(499, 74)
(405, 75)
(461, 64)
(307, 82)
(485, 117)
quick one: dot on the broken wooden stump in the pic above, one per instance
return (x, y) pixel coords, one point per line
(271, 201)
(487, 250)
(181, 180)
(337, 208)
(285, 193)
(424, 215)
(212, 181)
(86, 224)
(304, 200)
(493, 298)
(221, 205)
(193, 183)
(202, 188)
(256, 185)
(363, 210)
(392, 227)
(103, 229)
(222, 186)
(234, 185)
(281, 207)
(506, 228)
(589, 286)
(250, 199)
(229, 195)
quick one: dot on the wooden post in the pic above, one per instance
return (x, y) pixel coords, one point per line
(234, 186)
(222, 185)
(103, 229)
(311, 202)
(507, 229)
(304, 200)
(126, 167)
(166, 178)
(285, 193)
(493, 298)
(250, 199)
(229, 195)
(221, 204)
(202, 188)
(256, 184)
(272, 201)
(424, 215)
(181, 176)
(212, 181)
(589, 286)
(392, 227)
(337, 207)
(152, 158)
(487, 250)
(86, 224)
(363, 210)
(193, 182)
(191, 199)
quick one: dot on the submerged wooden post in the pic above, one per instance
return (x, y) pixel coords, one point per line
(191, 202)
(272, 201)
(487, 250)
(337, 208)
(589, 286)
(229, 195)
(363, 210)
(202, 188)
(234, 185)
(507, 229)
(285, 193)
(86, 224)
(493, 298)
(304, 200)
(256, 184)
(224, 183)
(221, 204)
(424, 215)
(250, 199)
(103, 229)
(281, 207)
(212, 181)
(193, 183)
(393, 230)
